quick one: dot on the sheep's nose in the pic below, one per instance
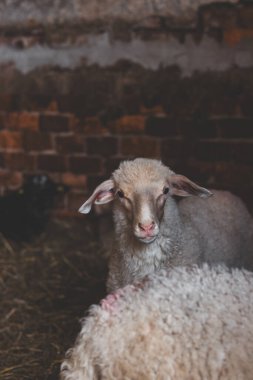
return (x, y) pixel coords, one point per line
(147, 227)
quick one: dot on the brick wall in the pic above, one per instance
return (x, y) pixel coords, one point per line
(77, 125)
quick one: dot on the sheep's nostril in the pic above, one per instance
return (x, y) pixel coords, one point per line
(146, 227)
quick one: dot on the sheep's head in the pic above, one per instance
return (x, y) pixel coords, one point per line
(141, 188)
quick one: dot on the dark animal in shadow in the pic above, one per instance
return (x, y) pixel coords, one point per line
(25, 212)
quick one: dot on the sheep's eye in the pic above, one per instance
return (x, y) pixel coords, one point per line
(165, 190)
(120, 194)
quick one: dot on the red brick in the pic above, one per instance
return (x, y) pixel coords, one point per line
(36, 141)
(75, 200)
(52, 162)
(92, 126)
(113, 164)
(155, 110)
(220, 175)
(22, 120)
(94, 181)
(74, 180)
(234, 36)
(235, 127)
(29, 120)
(55, 177)
(10, 140)
(51, 122)
(172, 148)
(214, 151)
(6, 101)
(105, 146)
(69, 144)
(222, 106)
(224, 174)
(20, 161)
(61, 199)
(65, 213)
(10, 179)
(93, 122)
(84, 164)
(225, 151)
(53, 106)
(201, 172)
(202, 128)
(161, 126)
(138, 146)
(129, 124)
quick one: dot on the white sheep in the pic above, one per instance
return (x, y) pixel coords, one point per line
(153, 230)
(184, 324)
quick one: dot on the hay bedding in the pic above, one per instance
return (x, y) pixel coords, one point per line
(45, 287)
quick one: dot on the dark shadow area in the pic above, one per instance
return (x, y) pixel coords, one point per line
(46, 286)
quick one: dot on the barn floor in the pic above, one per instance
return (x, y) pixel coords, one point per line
(46, 286)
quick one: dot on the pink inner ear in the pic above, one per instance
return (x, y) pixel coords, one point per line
(104, 196)
(100, 195)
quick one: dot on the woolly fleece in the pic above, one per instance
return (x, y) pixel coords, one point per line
(186, 324)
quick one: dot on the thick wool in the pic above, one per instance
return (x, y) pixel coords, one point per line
(215, 230)
(185, 324)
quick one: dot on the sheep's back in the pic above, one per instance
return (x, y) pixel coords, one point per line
(222, 227)
(187, 324)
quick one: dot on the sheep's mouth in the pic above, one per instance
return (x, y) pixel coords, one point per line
(147, 239)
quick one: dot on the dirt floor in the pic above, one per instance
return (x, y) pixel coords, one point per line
(46, 286)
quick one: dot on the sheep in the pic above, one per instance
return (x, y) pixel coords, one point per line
(181, 324)
(153, 230)
(25, 212)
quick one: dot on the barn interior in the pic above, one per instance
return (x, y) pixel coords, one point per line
(83, 86)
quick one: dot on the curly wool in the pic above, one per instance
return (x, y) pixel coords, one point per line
(187, 324)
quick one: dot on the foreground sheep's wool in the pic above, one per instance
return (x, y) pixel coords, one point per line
(187, 324)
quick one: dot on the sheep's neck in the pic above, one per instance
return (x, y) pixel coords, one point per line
(165, 247)
(171, 231)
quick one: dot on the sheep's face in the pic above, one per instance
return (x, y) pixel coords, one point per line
(140, 189)
(143, 207)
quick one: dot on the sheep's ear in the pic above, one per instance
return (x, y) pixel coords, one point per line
(183, 187)
(104, 193)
